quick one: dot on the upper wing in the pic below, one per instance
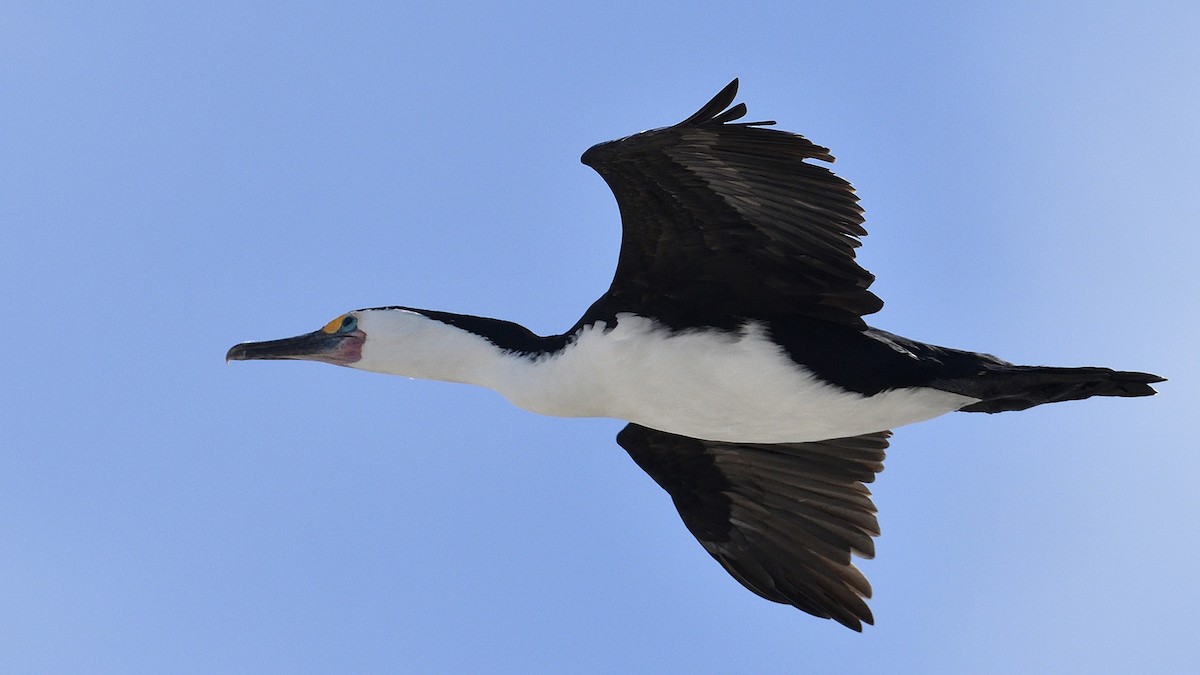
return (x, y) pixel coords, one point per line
(783, 519)
(726, 219)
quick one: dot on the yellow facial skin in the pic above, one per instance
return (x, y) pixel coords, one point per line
(333, 326)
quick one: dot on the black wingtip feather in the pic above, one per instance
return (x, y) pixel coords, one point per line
(735, 113)
(718, 110)
(714, 107)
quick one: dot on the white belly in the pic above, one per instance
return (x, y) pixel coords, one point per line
(727, 387)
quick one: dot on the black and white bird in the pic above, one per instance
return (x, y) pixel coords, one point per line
(732, 341)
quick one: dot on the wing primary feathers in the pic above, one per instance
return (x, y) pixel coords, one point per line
(715, 112)
(735, 113)
(714, 107)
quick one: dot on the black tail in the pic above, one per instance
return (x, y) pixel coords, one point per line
(1020, 387)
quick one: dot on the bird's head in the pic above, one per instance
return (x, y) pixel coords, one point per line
(395, 340)
(339, 342)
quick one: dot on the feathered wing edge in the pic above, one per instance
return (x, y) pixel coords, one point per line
(714, 112)
(783, 519)
(720, 217)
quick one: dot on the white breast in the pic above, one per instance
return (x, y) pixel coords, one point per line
(737, 387)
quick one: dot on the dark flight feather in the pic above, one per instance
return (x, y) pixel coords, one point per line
(724, 221)
(782, 518)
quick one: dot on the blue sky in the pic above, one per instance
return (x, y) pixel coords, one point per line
(177, 177)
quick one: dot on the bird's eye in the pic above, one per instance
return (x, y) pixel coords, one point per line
(343, 324)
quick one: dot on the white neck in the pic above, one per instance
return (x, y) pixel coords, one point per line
(410, 344)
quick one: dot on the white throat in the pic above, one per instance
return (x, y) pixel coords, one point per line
(408, 343)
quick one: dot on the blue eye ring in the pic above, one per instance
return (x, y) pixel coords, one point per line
(349, 323)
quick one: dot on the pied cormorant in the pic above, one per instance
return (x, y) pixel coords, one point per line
(732, 341)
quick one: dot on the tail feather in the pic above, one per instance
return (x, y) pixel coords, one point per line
(1020, 387)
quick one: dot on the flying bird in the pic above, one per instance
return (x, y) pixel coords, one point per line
(732, 340)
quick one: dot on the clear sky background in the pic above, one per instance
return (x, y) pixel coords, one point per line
(178, 177)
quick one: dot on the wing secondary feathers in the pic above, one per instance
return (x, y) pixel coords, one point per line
(783, 519)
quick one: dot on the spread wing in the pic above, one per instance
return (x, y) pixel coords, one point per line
(783, 519)
(726, 219)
